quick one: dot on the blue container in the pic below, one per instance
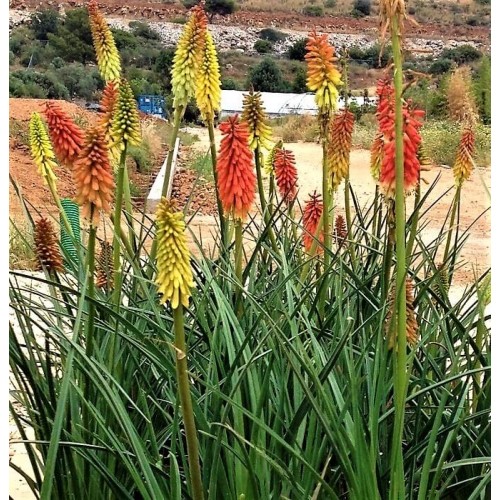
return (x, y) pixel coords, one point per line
(152, 104)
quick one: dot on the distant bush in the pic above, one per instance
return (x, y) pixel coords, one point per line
(12, 58)
(299, 84)
(263, 46)
(297, 51)
(229, 84)
(143, 30)
(361, 8)
(44, 22)
(272, 35)
(330, 4)
(440, 66)
(29, 83)
(462, 54)
(482, 89)
(267, 77)
(313, 10)
(370, 56)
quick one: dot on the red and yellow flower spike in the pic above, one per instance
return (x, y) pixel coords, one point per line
(269, 161)
(322, 75)
(175, 277)
(208, 91)
(189, 56)
(47, 246)
(66, 136)
(253, 115)
(339, 147)
(285, 172)
(126, 126)
(464, 164)
(312, 217)
(236, 180)
(376, 156)
(93, 176)
(107, 105)
(41, 149)
(108, 58)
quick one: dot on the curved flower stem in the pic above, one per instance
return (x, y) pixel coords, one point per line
(213, 153)
(186, 404)
(397, 482)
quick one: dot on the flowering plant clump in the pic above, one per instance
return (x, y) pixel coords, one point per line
(189, 56)
(175, 278)
(108, 58)
(286, 174)
(236, 180)
(41, 148)
(312, 216)
(339, 147)
(253, 115)
(66, 136)
(94, 177)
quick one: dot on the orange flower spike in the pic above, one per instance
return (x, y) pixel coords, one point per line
(339, 147)
(285, 172)
(236, 180)
(107, 105)
(322, 75)
(312, 216)
(66, 136)
(464, 164)
(94, 177)
(376, 156)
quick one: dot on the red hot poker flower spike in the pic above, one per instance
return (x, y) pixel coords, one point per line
(236, 179)
(312, 216)
(286, 174)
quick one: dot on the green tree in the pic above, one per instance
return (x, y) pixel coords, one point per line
(297, 51)
(44, 22)
(267, 77)
(299, 84)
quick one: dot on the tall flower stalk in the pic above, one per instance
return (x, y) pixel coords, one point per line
(174, 281)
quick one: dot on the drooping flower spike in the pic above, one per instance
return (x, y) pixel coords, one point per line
(47, 246)
(175, 277)
(254, 116)
(93, 176)
(208, 91)
(188, 56)
(323, 78)
(464, 164)
(66, 136)
(236, 180)
(339, 147)
(126, 126)
(41, 148)
(285, 172)
(312, 217)
(108, 58)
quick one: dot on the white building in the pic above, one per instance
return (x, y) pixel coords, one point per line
(278, 103)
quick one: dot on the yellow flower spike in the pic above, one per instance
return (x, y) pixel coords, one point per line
(464, 164)
(108, 58)
(126, 127)
(189, 56)
(175, 277)
(253, 115)
(41, 149)
(208, 91)
(322, 75)
(339, 147)
(269, 163)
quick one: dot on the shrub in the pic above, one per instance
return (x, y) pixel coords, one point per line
(229, 84)
(19, 39)
(362, 8)
(44, 22)
(12, 58)
(179, 20)
(297, 51)
(124, 39)
(440, 66)
(263, 46)
(330, 4)
(313, 10)
(143, 30)
(272, 35)
(482, 90)
(37, 84)
(371, 56)
(299, 84)
(267, 77)
(462, 54)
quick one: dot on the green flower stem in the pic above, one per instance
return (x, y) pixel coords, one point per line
(213, 152)
(348, 218)
(117, 227)
(326, 220)
(128, 208)
(456, 200)
(414, 225)
(397, 482)
(90, 264)
(186, 404)
(238, 262)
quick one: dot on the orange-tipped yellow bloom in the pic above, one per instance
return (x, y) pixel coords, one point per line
(236, 180)
(312, 216)
(47, 246)
(286, 174)
(253, 115)
(108, 58)
(66, 135)
(269, 162)
(464, 164)
(376, 156)
(126, 127)
(339, 147)
(189, 56)
(322, 75)
(175, 278)
(93, 176)
(41, 149)
(107, 105)
(208, 92)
